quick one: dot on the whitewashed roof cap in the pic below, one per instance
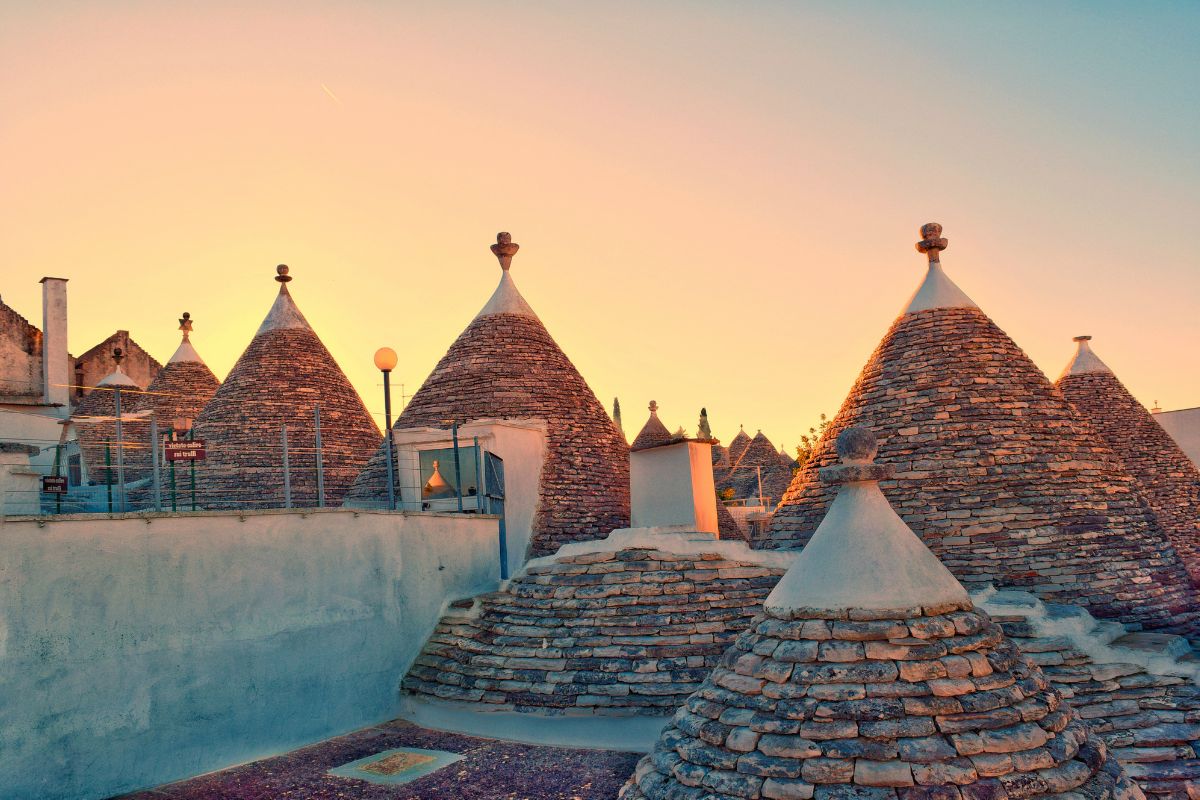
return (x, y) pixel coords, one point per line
(1085, 360)
(863, 556)
(506, 299)
(937, 290)
(284, 314)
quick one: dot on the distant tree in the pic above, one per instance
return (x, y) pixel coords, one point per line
(726, 494)
(808, 442)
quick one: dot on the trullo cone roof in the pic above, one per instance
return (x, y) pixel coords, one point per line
(1168, 479)
(869, 675)
(506, 365)
(996, 472)
(282, 376)
(181, 389)
(96, 426)
(653, 433)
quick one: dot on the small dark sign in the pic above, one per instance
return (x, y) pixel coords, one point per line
(54, 484)
(186, 451)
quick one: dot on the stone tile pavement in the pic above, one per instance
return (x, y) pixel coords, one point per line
(489, 770)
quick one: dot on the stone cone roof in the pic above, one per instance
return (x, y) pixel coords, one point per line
(506, 365)
(738, 445)
(742, 475)
(870, 675)
(282, 376)
(727, 527)
(96, 427)
(997, 473)
(1166, 477)
(182, 388)
(630, 624)
(653, 433)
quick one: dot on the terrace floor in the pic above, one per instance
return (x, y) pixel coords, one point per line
(459, 767)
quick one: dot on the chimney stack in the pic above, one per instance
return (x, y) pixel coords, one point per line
(56, 371)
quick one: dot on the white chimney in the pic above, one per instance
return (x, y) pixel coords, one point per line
(672, 485)
(56, 369)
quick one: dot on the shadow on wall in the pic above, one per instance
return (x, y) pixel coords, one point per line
(143, 649)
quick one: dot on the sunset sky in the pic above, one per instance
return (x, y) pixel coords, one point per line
(716, 202)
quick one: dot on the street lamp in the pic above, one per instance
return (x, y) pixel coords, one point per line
(385, 362)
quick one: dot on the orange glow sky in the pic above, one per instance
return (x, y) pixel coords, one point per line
(716, 203)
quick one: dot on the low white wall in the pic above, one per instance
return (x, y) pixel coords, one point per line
(140, 649)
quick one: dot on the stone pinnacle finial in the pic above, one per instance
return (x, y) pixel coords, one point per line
(653, 407)
(185, 325)
(117, 356)
(856, 449)
(281, 273)
(1081, 339)
(932, 243)
(504, 249)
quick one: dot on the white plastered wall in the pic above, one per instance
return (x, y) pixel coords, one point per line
(673, 485)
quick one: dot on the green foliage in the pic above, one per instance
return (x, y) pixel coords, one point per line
(808, 442)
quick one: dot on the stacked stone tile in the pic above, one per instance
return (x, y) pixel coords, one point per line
(181, 390)
(282, 376)
(1149, 719)
(653, 433)
(870, 675)
(506, 365)
(96, 427)
(1167, 478)
(994, 469)
(738, 445)
(629, 625)
(757, 457)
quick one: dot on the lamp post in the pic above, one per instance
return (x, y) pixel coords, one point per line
(385, 361)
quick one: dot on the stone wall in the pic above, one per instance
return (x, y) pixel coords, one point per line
(998, 475)
(90, 368)
(613, 632)
(1166, 477)
(20, 355)
(142, 649)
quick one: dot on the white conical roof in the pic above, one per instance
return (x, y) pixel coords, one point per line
(185, 353)
(118, 378)
(284, 314)
(506, 300)
(862, 554)
(938, 291)
(1085, 360)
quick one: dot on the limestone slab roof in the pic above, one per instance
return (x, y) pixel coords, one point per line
(284, 374)
(653, 433)
(921, 697)
(1167, 479)
(506, 365)
(998, 474)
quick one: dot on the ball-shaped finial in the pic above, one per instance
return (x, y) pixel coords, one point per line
(281, 273)
(186, 315)
(117, 355)
(653, 407)
(856, 446)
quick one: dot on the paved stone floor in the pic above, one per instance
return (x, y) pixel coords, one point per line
(489, 770)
